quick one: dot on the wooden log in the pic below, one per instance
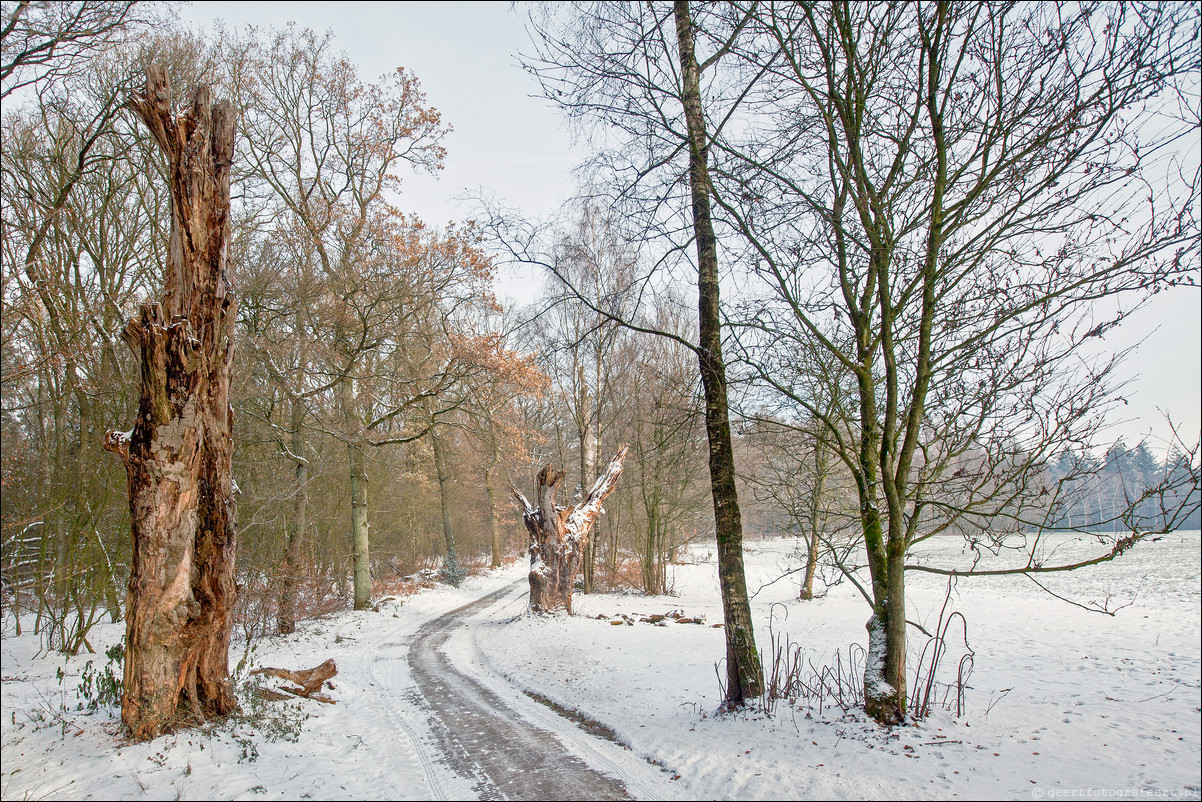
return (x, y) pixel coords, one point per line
(310, 680)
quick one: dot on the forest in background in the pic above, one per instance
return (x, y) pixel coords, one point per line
(375, 369)
(382, 395)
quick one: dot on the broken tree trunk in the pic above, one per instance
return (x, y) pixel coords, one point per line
(180, 600)
(558, 536)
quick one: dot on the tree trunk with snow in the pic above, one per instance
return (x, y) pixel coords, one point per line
(558, 535)
(180, 600)
(885, 662)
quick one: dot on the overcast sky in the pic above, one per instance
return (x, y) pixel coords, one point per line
(514, 145)
(464, 56)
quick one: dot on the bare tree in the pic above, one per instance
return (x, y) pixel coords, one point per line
(949, 195)
(500, 430)
(636, 70)
(794, 469)
(795, 466)
(596, 260)
(325, 148)
(43, 41)
(668, 460)
(64, 278)
(491, 417)
(85, 222)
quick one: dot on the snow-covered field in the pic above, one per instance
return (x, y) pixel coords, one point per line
(1060, 702)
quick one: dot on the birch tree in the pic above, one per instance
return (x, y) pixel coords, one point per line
(593, 258)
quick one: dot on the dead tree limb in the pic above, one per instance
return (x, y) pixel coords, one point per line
(309, 681)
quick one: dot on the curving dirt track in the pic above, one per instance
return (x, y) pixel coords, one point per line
(482, 739)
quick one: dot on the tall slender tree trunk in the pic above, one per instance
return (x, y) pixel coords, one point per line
(494, 535)
(286, 610)
(360, 526)
(884, 698)
(588, 468)
(744, 674)
(59, 528)
(109, 380)
(357, 468)
(180, 602)
(895, 628)
(450, 563)
(821, 467)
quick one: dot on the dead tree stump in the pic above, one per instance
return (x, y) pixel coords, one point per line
(558, 536)
(180, 601)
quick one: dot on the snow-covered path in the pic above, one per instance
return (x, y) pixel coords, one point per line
(482, 738)
(1061, 702)
(410, 722)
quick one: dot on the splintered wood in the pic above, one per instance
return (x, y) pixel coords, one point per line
(308, 682)
(179, 604)
(558, 535)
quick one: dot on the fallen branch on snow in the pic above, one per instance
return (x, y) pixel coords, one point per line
(309, 681)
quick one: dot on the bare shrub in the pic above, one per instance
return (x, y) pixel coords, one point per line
(929, 690)
(792, 677)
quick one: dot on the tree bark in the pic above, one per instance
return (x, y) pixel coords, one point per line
(558, 535)
(180, 601)
(286, 610)
(451, 573)
(743, 671)
(494, 536)
(883, 700)
(821, 467)
(588, 466)
(357, 473)
(360, 526)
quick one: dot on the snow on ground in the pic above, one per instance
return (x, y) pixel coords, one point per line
(1061, 702)
(367, 746)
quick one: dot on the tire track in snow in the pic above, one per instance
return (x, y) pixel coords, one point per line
(590, 738)
(485, 740)
(424, 760)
